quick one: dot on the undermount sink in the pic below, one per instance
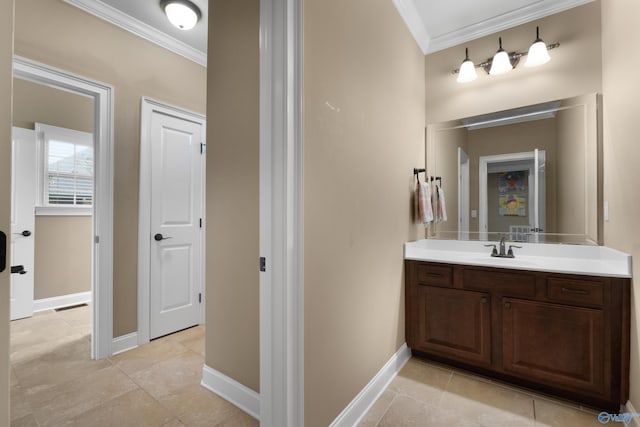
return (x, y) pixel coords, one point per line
(571, 259)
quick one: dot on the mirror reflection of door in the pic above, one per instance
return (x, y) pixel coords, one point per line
(512, 195)
(463, 194)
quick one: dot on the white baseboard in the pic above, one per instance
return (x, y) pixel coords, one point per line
(358, 408)
(635, 420)
(231, 390)
(124, 343)
(61, 301)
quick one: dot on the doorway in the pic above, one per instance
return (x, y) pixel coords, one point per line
(522, 198)
(171, 220)
(102, 197)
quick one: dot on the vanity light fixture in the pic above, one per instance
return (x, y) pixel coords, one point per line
(183, 14)
(503, 62)
(467, 69)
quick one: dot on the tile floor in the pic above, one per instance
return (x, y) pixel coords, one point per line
(430, 394)
(55, 383)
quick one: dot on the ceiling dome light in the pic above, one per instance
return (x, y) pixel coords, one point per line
(467, 71)
(501, 63)
(181, 13)
(538, 53)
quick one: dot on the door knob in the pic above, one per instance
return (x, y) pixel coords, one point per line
(25, 233)
(159, 237)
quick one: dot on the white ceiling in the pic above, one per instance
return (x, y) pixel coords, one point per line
(435, 24)
(149, 12)
(146, 19)
(440, 24)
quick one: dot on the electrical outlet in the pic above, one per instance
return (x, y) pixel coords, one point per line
(474, 213)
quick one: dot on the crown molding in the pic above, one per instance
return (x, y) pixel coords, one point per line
(411, 17)
(537, 10)
(140, 29)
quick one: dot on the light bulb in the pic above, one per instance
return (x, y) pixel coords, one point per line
(182, 14)
(467, 71)
(538, 53)
(501, 63)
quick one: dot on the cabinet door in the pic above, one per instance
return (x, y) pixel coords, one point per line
(554, 344)
(452, 323)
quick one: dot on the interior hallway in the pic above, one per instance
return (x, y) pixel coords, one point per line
(54, 382)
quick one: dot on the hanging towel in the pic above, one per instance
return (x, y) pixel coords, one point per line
(441, 207)
(425, 210)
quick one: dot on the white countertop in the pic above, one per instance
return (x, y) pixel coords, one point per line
(569, 259)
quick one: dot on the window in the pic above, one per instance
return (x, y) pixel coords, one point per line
(66, 167)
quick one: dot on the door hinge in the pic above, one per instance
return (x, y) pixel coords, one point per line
(200, 222)
(203, 147)
(200, 297)
(263, 264)
(97, 239)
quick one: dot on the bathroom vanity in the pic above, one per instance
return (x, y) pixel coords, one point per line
(555, 318)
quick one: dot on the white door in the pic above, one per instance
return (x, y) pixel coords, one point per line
(463, 195)
(539, 193)
(23, 196)
(176, 224)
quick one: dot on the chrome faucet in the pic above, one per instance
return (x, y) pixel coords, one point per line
(502, 248)
(503, 252)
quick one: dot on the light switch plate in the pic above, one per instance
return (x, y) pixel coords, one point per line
(474, 213)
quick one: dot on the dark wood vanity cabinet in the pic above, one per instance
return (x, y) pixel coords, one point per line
(468, 313)
(562, 334)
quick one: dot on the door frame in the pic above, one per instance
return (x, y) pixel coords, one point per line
(148, 107)
(484, 162)
(463, 194)
(281, 215)
(102, 256)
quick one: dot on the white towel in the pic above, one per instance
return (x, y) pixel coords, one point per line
(441, 207)
(425, 210)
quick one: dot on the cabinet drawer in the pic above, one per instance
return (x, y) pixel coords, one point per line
(431, 274)
(575, 291)
(516, 284)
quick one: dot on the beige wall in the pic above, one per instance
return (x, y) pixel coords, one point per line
(621, 150)
(364, 118)
(574, 69)
(6, 54)
(232, 304)
(36, 103)
(63, 36)
(571, 185)
(63, 244)
(63, 255)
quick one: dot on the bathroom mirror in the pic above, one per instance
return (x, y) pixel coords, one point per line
(531, 174)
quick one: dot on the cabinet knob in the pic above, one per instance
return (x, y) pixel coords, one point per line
(507, 305)
(484, 300)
